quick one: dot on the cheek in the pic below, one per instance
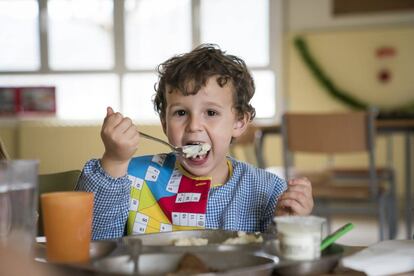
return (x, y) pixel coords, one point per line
(222, 136)
(174, 133)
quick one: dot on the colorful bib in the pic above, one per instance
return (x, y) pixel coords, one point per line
(164, 197)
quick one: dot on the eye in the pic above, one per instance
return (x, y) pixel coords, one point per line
(211, 113)
(180, 112)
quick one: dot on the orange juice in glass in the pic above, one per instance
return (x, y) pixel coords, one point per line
(67, 222)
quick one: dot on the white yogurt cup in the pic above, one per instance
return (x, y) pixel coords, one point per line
(299, 237)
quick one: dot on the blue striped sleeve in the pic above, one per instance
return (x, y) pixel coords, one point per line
(111, 200)
(279, 186)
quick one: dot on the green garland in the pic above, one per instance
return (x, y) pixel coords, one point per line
(332, 88)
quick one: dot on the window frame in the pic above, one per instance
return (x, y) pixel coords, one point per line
(276, 23)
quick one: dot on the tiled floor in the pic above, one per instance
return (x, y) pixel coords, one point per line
(365, 231)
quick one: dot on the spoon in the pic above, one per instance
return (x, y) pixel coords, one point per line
(187, 151)
(336, 235)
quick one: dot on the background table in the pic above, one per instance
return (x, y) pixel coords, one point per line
(383, 126)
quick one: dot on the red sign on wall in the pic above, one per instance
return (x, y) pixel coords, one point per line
(28, 100)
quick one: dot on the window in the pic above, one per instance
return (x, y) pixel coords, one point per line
(79, 96)
(137, 97)
(152, 37)
(265, 96)
(100, 53)
(80, 34)
(242, 32)
(19, 35)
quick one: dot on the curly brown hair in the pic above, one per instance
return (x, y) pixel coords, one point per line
(189, 72)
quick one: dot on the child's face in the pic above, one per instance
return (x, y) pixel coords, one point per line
(206, 117)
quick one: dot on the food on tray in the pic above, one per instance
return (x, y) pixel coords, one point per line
(191, 264)
(191, 151)
(190, 241)
(244, 238)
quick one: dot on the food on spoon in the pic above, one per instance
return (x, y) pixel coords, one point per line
(191, 241)
(244, 238)
(190, 151)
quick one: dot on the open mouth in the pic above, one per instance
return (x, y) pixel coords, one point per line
(196, 150)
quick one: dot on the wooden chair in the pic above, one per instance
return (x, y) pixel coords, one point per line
(368, 190)
(55, 182)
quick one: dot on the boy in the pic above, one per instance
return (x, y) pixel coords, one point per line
(201, 97)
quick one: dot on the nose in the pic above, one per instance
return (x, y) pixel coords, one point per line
(194, 123)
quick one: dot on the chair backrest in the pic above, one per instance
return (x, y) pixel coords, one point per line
(329, 133)
(55, 182)
(326, 133)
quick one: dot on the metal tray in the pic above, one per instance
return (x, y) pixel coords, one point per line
(97, 250)
(325, 264)
(164, 242)
(224, 263)
(158, 255)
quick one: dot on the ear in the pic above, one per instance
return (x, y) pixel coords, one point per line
(164, 126)
(240, 125)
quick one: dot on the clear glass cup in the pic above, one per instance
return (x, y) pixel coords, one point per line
(299, 237)
(18, 203)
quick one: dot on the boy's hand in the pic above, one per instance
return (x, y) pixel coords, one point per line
(120, 137)
(297, 199)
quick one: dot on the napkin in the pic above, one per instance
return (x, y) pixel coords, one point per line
(383, 258)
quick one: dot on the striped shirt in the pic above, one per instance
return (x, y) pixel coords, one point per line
(246, 202)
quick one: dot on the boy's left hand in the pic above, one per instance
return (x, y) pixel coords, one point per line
(297, 199)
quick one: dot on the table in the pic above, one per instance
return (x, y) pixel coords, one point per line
(349, 250)
(116, 247)
(87, 269)
(405, 126)
(383, 126)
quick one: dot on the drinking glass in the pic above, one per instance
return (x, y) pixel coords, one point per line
(299, 236)
(18, 203)
(67, 221)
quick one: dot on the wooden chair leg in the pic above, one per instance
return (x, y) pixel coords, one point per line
(382, 220)
(393, 215)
